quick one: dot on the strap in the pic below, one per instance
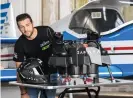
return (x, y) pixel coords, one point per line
(24, 93)
(53, 37)
(50, 35)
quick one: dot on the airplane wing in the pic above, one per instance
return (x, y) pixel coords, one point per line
(8, 38)
(8, 75)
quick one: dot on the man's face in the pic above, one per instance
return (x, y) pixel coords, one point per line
(26, 27)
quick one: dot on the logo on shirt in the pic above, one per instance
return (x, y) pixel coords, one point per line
(18, 56)
(15, 55)
(45, 45)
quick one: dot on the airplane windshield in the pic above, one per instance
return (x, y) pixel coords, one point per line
(97, 20)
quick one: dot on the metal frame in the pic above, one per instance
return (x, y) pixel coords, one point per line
(76, 88)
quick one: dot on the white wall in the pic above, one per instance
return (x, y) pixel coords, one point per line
(50, 11)
(65, 8)
(34, 8)
(3, 1)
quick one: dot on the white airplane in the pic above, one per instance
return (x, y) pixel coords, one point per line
(74, 27)
(104, 17)
(8, 38)
(94, 16)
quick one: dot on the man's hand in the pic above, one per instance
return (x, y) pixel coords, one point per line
(25, 96)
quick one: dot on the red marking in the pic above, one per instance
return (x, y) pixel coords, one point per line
(107, 48)
(119, 48)
(6, 55)
(123, 48)
(89, 80)
(67, 79)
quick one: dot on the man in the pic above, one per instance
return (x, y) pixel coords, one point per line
(34, 42)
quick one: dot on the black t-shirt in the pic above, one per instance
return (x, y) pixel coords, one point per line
(39, 47)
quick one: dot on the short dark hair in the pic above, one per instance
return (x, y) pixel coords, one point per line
(22, 17)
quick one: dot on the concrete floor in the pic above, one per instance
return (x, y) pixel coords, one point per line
(107, 95)
(8, 91)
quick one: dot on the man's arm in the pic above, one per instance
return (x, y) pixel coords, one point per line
(22, 89)
(19, 58)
